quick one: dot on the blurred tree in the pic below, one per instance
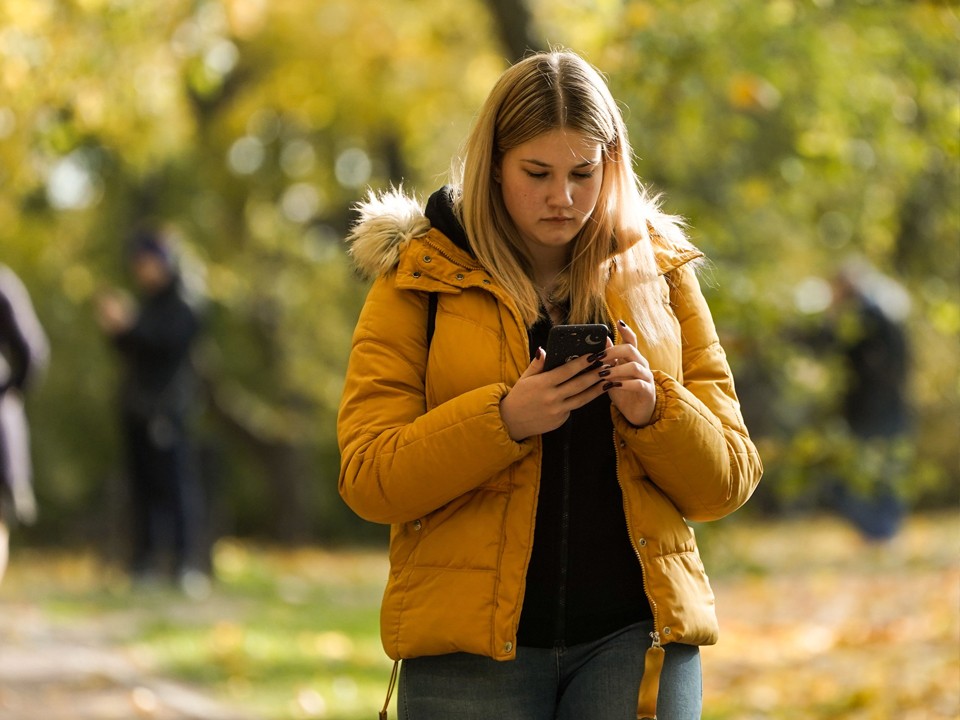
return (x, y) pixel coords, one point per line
(515, 26)
(252, 128)
(788, 132)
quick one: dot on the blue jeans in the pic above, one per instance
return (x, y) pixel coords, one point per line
(598, 680)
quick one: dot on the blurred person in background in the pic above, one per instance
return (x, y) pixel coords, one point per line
(154, 338)
(866, 326)
(541, 562)
(24, 353)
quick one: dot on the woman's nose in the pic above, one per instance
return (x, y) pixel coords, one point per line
(561, 193)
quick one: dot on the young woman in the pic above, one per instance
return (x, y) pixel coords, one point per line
(541, 565)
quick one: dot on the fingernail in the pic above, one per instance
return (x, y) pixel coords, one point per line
(539, 354)
(621, 323)
(611, 385)
(603, 373)
(597, 356)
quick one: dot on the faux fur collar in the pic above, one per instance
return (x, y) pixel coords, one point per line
(387, 221)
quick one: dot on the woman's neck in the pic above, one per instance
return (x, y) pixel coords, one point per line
(545, 280)
(546, 268)
(546, 265)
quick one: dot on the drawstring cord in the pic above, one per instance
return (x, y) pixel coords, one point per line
(390, 688)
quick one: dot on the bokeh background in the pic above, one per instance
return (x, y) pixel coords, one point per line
(792, 134)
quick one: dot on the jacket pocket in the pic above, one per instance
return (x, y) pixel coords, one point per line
(404, 538)
(464, 534)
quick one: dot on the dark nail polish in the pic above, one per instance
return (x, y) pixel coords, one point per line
(597, 356)
(611, 385)
(603, 373)
(621, 323)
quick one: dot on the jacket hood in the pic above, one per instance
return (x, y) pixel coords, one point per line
(386, 223)
(388, 220)
(442, 215)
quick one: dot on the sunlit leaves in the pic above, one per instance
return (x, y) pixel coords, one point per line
(788, 132)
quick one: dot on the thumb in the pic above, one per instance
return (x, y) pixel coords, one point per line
(536, 364)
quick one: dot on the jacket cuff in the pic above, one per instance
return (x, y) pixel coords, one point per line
(659, 408)
(660, 404)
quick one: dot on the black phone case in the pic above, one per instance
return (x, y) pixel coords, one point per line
(566, 342)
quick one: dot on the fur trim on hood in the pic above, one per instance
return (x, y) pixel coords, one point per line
(388, 220)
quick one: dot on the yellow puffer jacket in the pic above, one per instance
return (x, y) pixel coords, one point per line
(424, 447)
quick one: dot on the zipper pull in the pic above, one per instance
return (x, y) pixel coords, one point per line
(650, 683)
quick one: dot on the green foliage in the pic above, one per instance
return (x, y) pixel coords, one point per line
(789, 132)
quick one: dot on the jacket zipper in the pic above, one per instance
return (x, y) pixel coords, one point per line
(626, 518)
(446, 256)
(636, 549)
(561, 619)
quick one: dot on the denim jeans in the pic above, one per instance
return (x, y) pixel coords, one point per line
(594, 681)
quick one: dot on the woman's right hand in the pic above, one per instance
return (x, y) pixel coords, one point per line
(542, 401)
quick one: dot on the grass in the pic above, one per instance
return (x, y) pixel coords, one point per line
(815, 624)
(284, 634)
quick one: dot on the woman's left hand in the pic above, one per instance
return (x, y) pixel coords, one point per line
(628, 380)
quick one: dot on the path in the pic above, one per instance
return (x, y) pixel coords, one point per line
(64, 671)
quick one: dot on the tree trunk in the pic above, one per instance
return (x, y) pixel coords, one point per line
(515, 26)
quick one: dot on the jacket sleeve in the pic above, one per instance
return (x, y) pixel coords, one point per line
(697, 449)
(398, 461)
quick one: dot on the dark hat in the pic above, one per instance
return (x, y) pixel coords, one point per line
(151, 242)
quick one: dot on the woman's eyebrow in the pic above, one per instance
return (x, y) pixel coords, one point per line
(540, 163)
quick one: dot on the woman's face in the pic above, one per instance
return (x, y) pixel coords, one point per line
(550, 187)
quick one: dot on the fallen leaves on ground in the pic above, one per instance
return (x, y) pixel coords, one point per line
(816, 623)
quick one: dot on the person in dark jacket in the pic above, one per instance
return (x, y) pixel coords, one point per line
(154, 341)
(24, 352)
(867, 329)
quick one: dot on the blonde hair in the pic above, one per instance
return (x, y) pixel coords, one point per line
(559, 90)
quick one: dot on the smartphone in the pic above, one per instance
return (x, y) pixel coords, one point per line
(567, 342)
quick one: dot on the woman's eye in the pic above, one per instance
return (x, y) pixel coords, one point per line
(538, 176)
(583, 175)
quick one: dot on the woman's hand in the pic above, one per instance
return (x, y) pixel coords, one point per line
(542, 401)
(628, 379)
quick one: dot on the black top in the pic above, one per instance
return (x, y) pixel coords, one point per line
(23, 344)
(14, 348)
(584, 580)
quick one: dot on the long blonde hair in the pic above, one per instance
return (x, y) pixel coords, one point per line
(559, 90)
